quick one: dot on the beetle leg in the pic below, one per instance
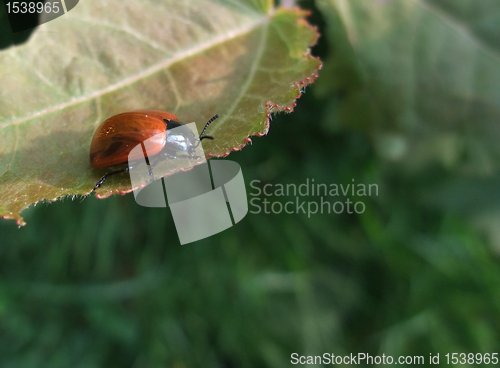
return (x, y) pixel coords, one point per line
(103, 179)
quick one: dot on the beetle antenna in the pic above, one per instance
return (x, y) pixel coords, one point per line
(206, 126)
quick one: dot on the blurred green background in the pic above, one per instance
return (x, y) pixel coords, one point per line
(105, 283)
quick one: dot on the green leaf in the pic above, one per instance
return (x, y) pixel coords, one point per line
(423, 76)
(240, 59)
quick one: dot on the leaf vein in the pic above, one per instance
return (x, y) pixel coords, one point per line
(163, 64)
(253, 70)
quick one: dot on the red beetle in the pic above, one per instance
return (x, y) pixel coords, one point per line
(117, 136)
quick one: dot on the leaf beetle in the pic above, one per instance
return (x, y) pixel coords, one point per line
(115, 138)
